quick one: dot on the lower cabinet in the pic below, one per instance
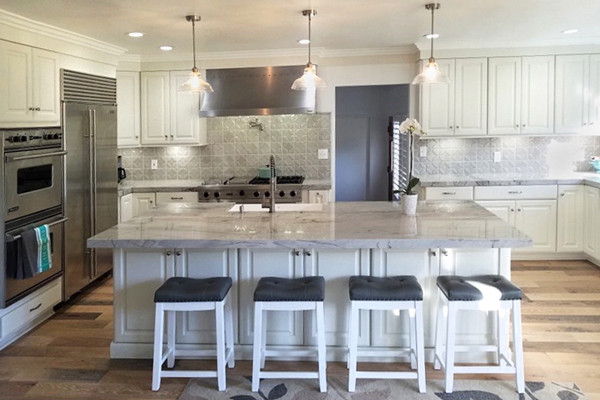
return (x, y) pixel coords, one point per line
(591, 221)
(126, 207)
(142, 202)
(570, 218)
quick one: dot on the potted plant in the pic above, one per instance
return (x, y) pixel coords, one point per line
(412, 128)
(410, 196)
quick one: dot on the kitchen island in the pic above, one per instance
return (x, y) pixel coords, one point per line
(337, 241)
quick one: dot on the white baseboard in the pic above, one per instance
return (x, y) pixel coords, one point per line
(548, 256)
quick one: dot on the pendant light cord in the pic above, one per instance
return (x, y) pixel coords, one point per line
(309, 38)
(432, 38)
(194, 40)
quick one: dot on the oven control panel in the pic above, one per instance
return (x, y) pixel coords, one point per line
(20, 139)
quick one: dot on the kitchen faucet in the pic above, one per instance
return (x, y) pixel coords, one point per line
(269, 202)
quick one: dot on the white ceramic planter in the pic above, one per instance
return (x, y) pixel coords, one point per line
(409, 204)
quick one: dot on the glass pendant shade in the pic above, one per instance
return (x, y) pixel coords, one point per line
(308, 80)
(431, 74)
(195, 84)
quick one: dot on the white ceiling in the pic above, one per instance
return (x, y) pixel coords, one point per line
(241, 25)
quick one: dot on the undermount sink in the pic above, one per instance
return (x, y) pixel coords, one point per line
(284, 207)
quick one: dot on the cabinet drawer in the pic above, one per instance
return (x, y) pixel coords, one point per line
(449, 193)
(40, 303)
(176, 197)
(515, 192)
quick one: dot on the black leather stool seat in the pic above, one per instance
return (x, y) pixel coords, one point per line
(311, 288)
(186, 290)
(392, 288)
(458, 288)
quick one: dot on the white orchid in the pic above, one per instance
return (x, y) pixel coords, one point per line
(412, 126)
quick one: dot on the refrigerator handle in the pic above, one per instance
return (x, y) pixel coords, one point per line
(92, 182)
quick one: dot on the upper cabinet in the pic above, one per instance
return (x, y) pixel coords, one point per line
(167, 115)
(30, 96)
(460, 107)
(128, 102)
(521, 95)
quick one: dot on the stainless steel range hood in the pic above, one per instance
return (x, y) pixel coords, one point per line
(256, 91)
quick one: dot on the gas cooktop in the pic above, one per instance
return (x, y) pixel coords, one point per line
(289, 190)
(281, 180)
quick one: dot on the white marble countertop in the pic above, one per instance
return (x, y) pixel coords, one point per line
(500, 179)
(438, 224)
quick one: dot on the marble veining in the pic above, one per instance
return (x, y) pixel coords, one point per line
(437, 224)
(492, 179)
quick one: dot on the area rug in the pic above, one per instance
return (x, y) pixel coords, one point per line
(239, 388)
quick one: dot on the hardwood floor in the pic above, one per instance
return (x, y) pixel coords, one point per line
(67, 357)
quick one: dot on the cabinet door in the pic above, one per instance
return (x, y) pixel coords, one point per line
(283, 328)
(16, 77)
(537, 94)
(142, 202)
(537, 219)
(46, 87)
(504, 209)
(594, 97)
(199, 326)
(155, 107)
(185, 108)
(437, 104)
(327, 263)
(504, 85)
(572, 73)
(570, 218)
(470, 107)
(128, 101)
(137, 275)
(591, 238)
(126, 205)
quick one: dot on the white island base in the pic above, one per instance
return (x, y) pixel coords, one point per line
(138, 272)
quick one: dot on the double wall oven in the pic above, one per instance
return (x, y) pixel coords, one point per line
(32, 195)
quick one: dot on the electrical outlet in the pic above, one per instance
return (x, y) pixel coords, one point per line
(154, 164)
(497, 156)
(323, 154)
(423, 151)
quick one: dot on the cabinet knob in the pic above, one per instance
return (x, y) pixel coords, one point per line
(433, 253)
(512, 210)
(171, 136)
(137, 137)
(444, 252)
(523, 125)
(517, 125)
(166, 137)
(518, 209)
(169, 253)
(308, 253)
(178, 253)
(562, 195)
(37, 109)
(30, 109)
(457, 127)
(296, 252)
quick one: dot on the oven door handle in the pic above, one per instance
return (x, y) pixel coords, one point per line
(10, 238)
(19, 158)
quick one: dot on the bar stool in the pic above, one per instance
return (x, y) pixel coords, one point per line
(281, 294)
(390, 293)
(480, 292)
(188, 294)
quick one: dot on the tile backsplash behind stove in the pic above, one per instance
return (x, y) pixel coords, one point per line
(236, 149)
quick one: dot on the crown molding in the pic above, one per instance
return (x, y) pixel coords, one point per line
(370, 51)
(39, 28)
(589, 42)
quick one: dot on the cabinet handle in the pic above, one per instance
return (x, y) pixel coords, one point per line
(449, 193)
(137, 137)
(449, 127)
(308, 253)
(30, 108)
(515, 192)
(35, 308)
(169, 253)
(433, 253)
(176, 198)
(296, 252)
(178, 253)
(444, 252)
(37, 109)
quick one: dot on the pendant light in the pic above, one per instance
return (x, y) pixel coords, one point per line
(431, 72)
(195, 84)
(308, 80)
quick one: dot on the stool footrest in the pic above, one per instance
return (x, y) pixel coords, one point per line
(296, 353)
(484, 369)
(289, 374)
(188, 374)
(482, 348)
(378, 352)
(387, 374)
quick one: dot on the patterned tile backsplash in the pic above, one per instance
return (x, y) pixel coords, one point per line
(237, 149)
(541, 155)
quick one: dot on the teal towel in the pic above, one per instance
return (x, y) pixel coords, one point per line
(44, 252)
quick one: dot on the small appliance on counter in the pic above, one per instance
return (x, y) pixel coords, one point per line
(121, 173)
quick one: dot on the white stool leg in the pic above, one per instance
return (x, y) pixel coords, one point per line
(229, 332)
(439, 327)
(412, 338)
(518, 344)
(352, 346)
(321, 346)
(420, 346)
(263, 341)
(450, 335)
(158, 344)
(220, 328)
(171, 338)
(257, 346)
(502, 335)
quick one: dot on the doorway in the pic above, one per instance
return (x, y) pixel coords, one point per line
(362, 140)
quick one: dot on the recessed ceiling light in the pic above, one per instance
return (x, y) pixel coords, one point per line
(304, 41)
(166, 48)
(569, 31)
(431, 36)
(135, 34)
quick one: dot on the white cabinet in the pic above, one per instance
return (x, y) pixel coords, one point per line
(459, 108)
(176, 197)
(142, 202)
(31, 92)
(591, 222)
(167, 115)
(449, 193)
(570, 218)
(128, 102)
(577, 91)
(521, 95)
(126, 207)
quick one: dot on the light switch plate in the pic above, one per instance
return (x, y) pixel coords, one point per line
(154, 164)
(423, 151)
(497, 156)
(323, 154)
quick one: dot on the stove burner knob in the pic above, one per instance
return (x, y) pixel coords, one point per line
(256, 194)
(56, 136)
(12, 139)
(242, 193)
(281, 194)
(217, 195)
(47, 136)
(267, 194)
(206, 194)
(293, 193)
(23, 138)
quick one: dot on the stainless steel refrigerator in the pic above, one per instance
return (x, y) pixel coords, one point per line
(90, 133)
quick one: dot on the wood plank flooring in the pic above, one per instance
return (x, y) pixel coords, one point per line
(67, 357)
